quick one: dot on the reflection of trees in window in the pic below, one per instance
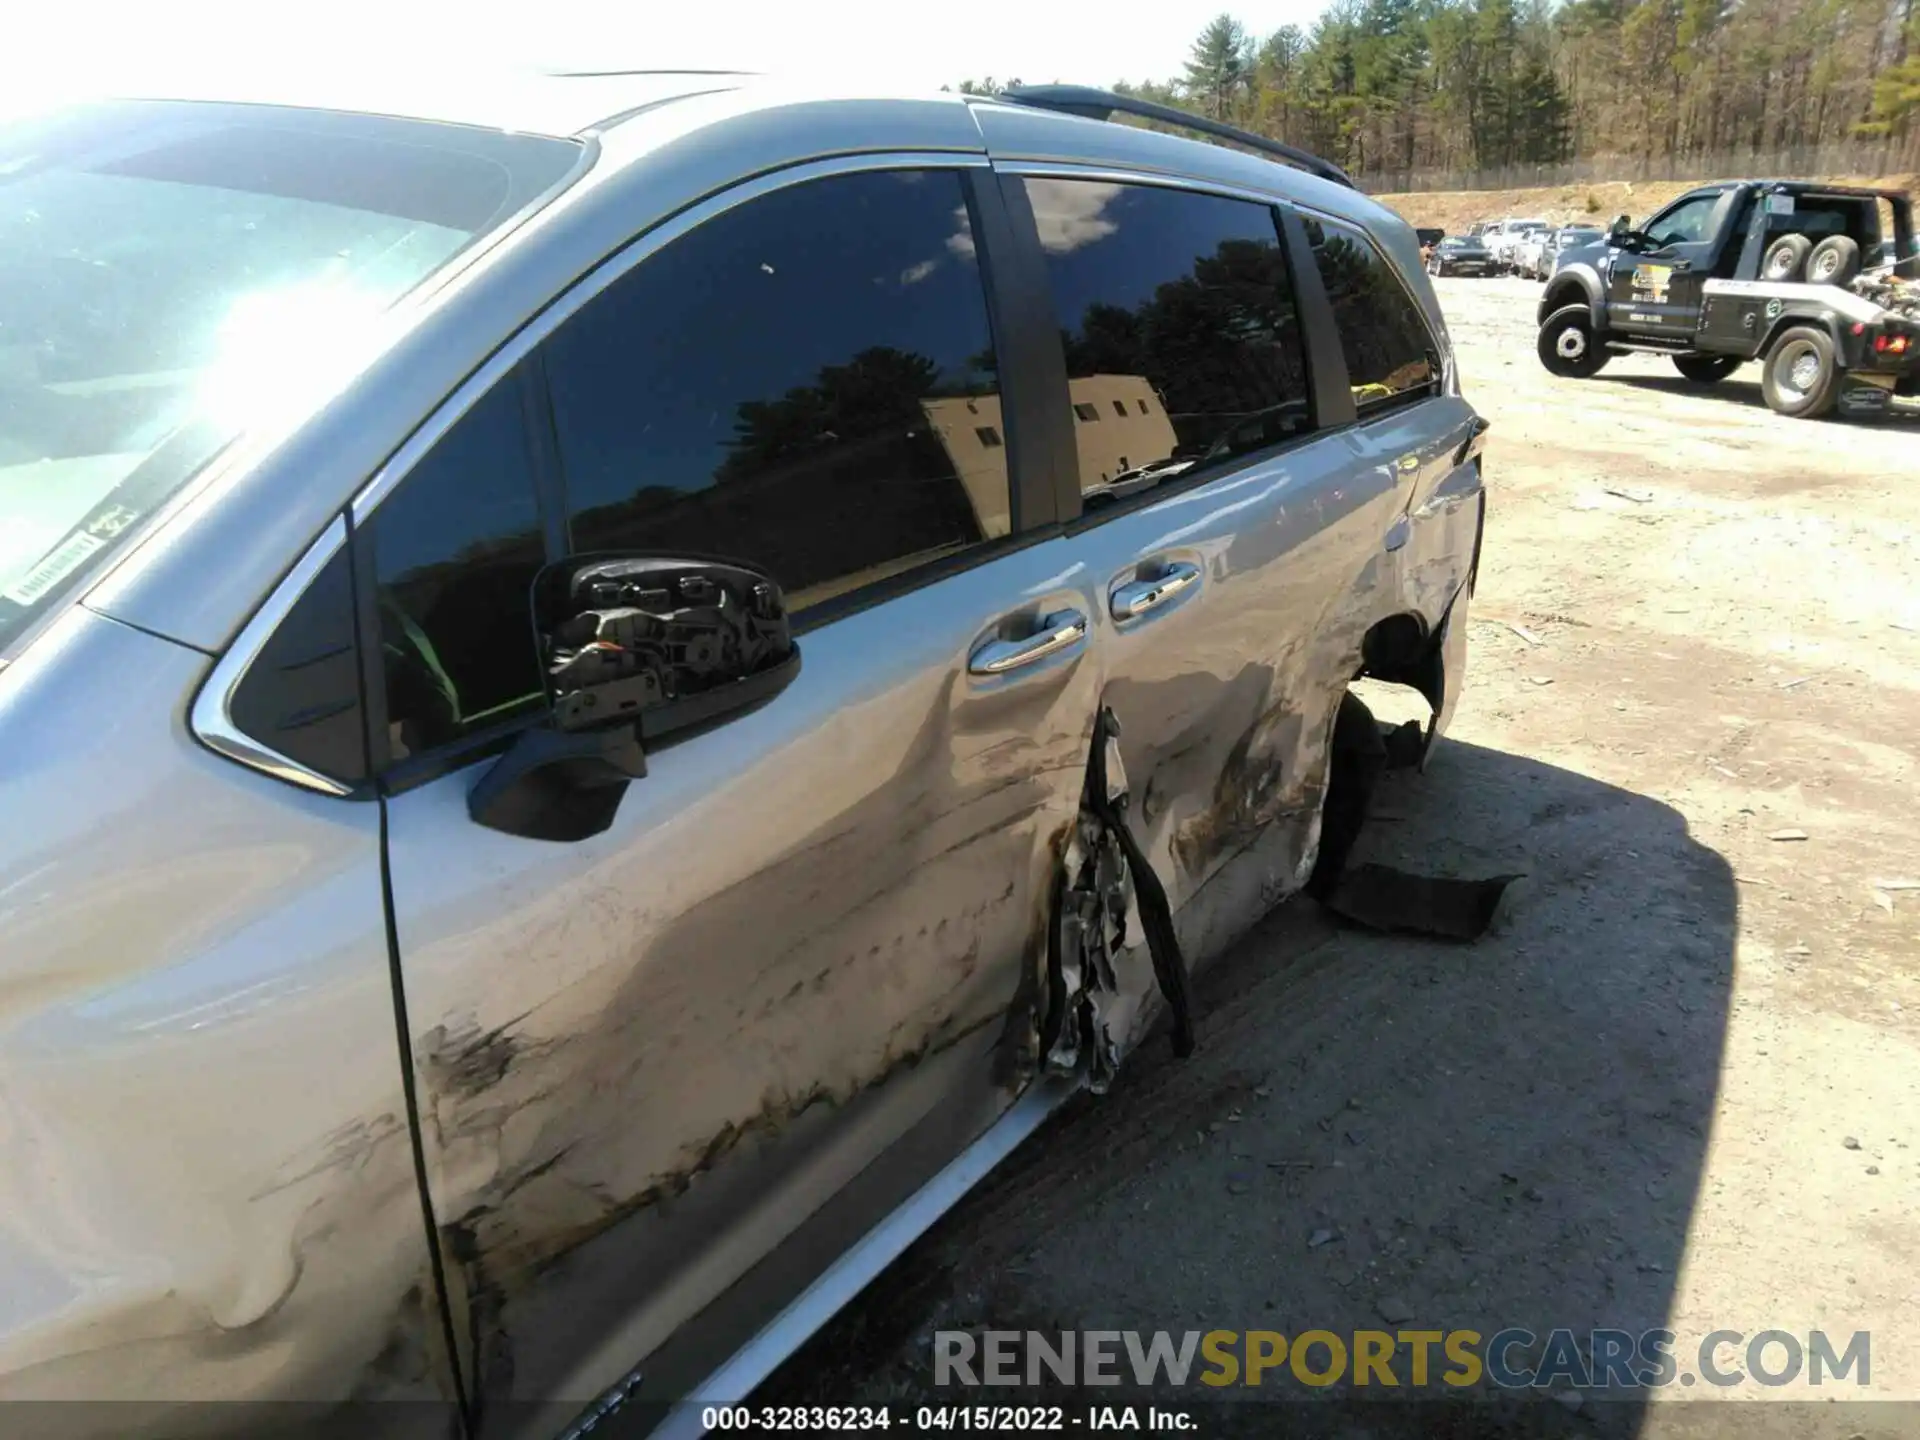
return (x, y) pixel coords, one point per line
(1217, 344)
(831, 479)
(878, 390)
(760, 389)
(1385, 340)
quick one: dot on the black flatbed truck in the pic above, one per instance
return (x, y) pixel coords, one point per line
(1740, 270)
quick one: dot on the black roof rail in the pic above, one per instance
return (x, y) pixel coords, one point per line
(1104, 104)
(618, 74)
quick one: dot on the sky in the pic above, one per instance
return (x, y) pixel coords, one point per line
(57, 47)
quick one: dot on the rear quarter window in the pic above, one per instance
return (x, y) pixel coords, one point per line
(1392, 357)
(1177, 311)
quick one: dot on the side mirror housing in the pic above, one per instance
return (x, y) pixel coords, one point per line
(634, 649)
(1622, 227)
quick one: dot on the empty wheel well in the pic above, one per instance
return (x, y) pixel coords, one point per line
(1394, 648)
(1401, 650)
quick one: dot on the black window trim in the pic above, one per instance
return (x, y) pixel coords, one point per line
(1015, 326)
(210, 717)
(1331, 399)
(528, 378)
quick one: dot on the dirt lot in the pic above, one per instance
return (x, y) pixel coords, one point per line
(1678, 1086)
(1455, 210)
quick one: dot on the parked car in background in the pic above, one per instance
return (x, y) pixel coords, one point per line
(1527, 251)
(454, 949)
(1460, 255)
(1536, 254)
(1507, 234)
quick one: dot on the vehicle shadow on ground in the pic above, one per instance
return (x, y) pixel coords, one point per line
(1376, 1133)
(1747, 392)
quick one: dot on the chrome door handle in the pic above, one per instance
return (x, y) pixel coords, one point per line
(1057, 632)
(1136, 597)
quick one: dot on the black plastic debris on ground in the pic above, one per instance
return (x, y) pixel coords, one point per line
(1384, 897)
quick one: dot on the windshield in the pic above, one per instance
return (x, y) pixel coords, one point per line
(169, 270)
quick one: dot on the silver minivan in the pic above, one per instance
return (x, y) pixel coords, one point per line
(613, 684)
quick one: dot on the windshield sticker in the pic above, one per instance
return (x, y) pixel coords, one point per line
(60, 562)
(1780, 204)
(111, 521)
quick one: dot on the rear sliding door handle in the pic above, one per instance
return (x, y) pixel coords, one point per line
(1059, 631)
(1137, 597)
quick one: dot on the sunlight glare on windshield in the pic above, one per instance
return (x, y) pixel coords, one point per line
(277, 350)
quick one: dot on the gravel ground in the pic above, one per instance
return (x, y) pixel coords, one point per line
(1676, 1087)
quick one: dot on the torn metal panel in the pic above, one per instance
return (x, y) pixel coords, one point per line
(1096, 895)
(1092, 929)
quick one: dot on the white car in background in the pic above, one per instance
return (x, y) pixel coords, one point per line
(1505, 235)
(1529, 252)
(1536, 255)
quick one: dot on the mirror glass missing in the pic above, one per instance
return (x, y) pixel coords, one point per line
(665, 642)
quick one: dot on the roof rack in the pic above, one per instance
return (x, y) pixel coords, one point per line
(619, 74)
(1104, 104)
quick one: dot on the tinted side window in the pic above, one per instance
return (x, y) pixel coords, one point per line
(455, 550)
(1684, 222)
(806, 383)
(1179, 317)
(1390, 354)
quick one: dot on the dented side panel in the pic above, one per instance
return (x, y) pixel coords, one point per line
(207, 1191)
(645, 1059)
(1227, 701)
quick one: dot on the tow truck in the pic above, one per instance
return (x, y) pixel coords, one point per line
(1818, 282)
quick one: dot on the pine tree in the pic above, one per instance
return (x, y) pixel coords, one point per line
(1220, 66)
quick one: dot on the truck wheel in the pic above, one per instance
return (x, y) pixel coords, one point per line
(1706, 369)
(1568, 347)
(1834, 261)
(1785, 257)
(1801, 377)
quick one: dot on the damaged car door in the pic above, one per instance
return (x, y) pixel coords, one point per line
(1242, 577)
(1273, 498)
(666, 1071)
(1203, 527)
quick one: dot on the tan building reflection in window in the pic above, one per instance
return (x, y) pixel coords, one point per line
(1132, 429)
(1119, 427)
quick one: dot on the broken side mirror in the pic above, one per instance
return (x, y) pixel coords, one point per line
(634, 649)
